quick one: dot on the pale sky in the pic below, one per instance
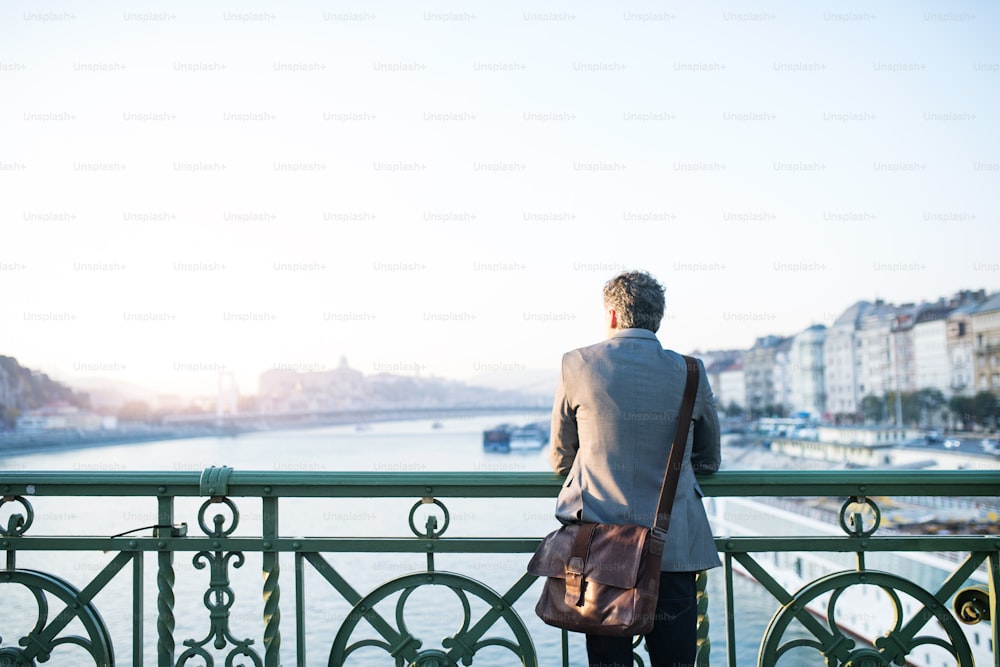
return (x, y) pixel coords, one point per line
(192, 186)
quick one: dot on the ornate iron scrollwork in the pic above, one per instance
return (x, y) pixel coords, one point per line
(397, 641)
(43, 642)
(860, 518)
(17, 524)
(219, 597)
(838, 648)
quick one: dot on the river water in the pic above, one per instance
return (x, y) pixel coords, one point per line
(456, 445)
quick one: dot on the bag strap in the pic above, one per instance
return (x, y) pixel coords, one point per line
(576, 564)
(676, 459)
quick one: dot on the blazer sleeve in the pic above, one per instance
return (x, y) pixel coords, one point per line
(564, 435)
(706, 453)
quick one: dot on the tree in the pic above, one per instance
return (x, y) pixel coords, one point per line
(910, 404)
(984, 408)
(871, 408)
(961, 408)
(978, 410)
(774, 410)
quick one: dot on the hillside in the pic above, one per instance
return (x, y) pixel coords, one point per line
(25, 389)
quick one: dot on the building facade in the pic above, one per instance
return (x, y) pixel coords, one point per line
(840, 362)
(882, 366)
(986, 345)
(808, 386)
(725, 374)
(930, 350)
(902, 370)
(783, 376)
(961, 357)
(732, 384)
(761, 382)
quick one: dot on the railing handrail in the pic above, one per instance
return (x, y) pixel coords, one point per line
(483, 484)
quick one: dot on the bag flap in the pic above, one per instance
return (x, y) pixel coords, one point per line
(615, 554)
(549, 559)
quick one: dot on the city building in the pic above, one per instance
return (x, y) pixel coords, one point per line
(783, 376)
(902, 366)
(986, 345)
(732, 385)
(841, 362)
(808, 386)
(762, 383)
(961, 375)
(63, 418)
(725, 375)
(882, 367)
(932, 369)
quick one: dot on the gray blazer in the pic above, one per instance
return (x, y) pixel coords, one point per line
(613, 420)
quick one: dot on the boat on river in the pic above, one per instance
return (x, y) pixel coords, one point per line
(509, 437)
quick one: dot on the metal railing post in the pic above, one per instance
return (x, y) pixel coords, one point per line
(165, 590)
(272, 592)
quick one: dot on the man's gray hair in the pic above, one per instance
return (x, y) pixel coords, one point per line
(637, 298)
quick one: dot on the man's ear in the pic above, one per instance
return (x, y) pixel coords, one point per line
(614, 319)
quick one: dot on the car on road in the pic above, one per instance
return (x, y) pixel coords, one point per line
(952, 443)
(991, 445)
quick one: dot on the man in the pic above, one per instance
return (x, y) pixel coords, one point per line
(613, 420)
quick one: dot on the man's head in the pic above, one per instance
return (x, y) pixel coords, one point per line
(634, 299)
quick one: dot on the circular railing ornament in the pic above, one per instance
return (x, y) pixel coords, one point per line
(837, 648)
(219, 520)
(36, 645)
(431, 530)
(405, 649)
(857, 513)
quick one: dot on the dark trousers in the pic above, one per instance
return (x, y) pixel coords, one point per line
(673, 640)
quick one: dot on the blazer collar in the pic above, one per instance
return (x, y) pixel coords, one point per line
(636, 333)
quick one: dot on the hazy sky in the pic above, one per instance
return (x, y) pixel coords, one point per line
(445, 187)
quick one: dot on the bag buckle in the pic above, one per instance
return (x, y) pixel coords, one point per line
(574, 581)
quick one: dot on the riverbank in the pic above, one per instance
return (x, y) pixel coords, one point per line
(16, 444)
(13, 444)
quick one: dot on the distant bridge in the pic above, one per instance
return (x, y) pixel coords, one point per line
(351, 416)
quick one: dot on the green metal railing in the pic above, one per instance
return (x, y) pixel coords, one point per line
(66, 616)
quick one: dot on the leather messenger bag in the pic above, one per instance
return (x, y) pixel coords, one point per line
(604, 579)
